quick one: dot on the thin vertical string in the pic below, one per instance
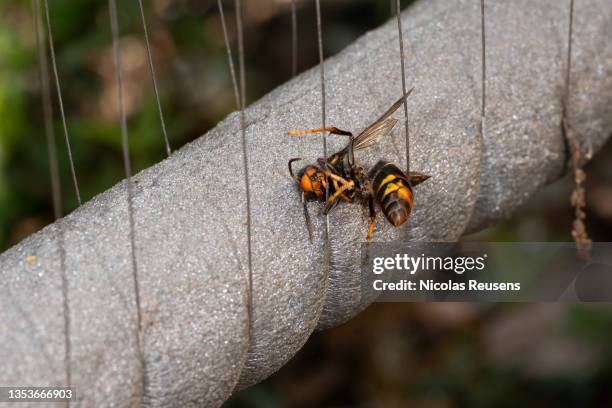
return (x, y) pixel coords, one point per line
(112, 6)
(322, 72)
(61, 102)
(230, 58)
(55, 179)
(580, 233)
(154, 79)
(247, 187)
(402, 63)
(484, 67)
(294, 38)
(241, 71)
(569, 57)
(323, 112)
(47, 112)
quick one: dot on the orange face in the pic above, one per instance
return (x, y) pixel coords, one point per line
(313, 182)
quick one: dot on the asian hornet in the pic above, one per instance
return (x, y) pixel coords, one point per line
(339, 179)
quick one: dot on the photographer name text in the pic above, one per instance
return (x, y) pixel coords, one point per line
(422, 264)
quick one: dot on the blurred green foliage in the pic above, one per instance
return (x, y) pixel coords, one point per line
(192, 73)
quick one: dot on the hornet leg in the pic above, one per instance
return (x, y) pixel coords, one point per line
(291, 169)
(344, 185)
(372, 217)
(306, 215)
(307, 218)
(333, 130)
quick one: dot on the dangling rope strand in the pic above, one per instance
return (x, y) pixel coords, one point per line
(402, 63)
(569, 57)
(154, 79)
(294, 38)
(322, 72)
(230, 58)
(55, 179)
(323, 112)
(61, 102)
(245, 158)
(484, 65)
(392, 7)
(47, 112)
(580, 233)
(241, 70)
(112, 5)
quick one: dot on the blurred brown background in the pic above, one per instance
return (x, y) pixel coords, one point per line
(393, 355)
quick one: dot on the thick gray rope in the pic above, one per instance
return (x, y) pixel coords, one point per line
(193, 291)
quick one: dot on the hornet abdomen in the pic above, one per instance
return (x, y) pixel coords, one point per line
(391, 188)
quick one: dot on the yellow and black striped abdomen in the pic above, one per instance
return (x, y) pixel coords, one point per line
(392, 191)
